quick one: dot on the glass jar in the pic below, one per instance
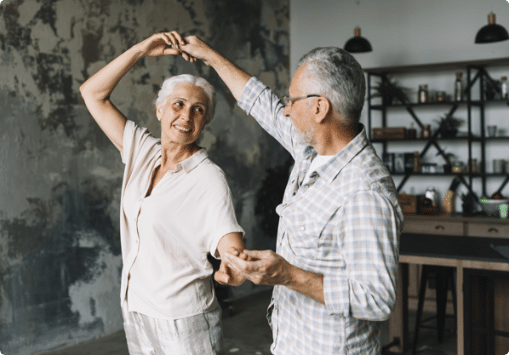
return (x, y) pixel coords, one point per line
(417, 163)
(503, 87)
(472, 166)
(441, 96)
(457, 167)
(411, 133)
(426, 132)
(458, 87)
(423, 95)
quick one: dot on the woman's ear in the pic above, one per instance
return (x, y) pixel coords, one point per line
(159, 112)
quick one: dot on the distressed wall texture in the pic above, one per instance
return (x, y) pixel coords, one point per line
(60, 177)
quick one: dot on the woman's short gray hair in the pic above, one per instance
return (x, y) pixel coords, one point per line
(170, 83)
(335, 74)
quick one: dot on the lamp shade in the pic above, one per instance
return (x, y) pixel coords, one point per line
(357, 44)
(491, 32)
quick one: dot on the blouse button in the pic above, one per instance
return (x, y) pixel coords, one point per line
(302, 228)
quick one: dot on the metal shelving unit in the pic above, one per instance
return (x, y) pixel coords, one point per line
(477, 74)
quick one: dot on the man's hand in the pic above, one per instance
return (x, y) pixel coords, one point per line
(193, 48)
(265, 268)
(268, 268)
(198, 49)
(228, 276)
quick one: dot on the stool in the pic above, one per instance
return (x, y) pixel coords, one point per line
(444, 278)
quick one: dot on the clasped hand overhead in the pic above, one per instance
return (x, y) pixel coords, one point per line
(190, 48)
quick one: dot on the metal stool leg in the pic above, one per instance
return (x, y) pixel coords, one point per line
(442, 280)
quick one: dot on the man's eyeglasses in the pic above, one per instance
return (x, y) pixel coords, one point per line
(287, 100)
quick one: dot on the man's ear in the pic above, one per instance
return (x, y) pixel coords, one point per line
(323, 109)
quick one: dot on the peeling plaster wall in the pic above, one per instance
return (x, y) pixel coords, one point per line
(60, 177)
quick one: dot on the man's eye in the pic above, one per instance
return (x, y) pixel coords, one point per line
(199, 110)
(179, 104)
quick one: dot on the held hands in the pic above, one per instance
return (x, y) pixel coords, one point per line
(268, 268)
(262, 268)
(228, 276)
(162, 44)
(190, 48)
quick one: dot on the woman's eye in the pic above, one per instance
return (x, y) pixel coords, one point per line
(199, 110)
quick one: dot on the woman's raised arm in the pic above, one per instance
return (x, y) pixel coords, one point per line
(97, 89)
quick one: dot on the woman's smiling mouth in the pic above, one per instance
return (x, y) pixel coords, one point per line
(182, 129)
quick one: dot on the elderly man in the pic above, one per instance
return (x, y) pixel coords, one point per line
(335, 268)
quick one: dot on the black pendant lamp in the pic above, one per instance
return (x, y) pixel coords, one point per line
(357, 44)
(491, 32)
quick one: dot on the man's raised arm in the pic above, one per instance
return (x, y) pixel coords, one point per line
(234, 77)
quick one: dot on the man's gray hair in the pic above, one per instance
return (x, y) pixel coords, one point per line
(334, 73)
(170, 83)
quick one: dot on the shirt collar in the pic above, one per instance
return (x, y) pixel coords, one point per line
(194, 160)
(330, 170)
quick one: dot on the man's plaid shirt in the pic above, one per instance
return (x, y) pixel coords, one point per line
(344, 224)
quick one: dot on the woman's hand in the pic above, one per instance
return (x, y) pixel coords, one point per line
(228, 276)
(162, 44)
(97, 89)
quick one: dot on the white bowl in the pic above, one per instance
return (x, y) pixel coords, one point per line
(492, 207)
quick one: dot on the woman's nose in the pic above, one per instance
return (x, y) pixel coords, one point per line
(187, 114)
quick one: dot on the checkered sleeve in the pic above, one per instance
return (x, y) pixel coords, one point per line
(369, 247)
(258, 101)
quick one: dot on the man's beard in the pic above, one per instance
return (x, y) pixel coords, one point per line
(306, 137)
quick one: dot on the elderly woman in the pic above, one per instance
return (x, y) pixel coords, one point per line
(176, 208)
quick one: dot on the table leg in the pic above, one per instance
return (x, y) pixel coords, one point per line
(398, 323)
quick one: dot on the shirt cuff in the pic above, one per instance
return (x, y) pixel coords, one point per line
(336, 295)
(220, 234)
(250, 94)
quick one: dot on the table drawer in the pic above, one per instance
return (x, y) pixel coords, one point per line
(434, 227)
(491, 230)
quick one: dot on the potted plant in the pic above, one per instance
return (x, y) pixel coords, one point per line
(449, 159)
(388, 89)
(448, 126)
(492, 89)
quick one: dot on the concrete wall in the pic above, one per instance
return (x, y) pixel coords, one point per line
(60, 177)
(411, 32)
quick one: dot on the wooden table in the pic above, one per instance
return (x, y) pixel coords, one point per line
(441, 250)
